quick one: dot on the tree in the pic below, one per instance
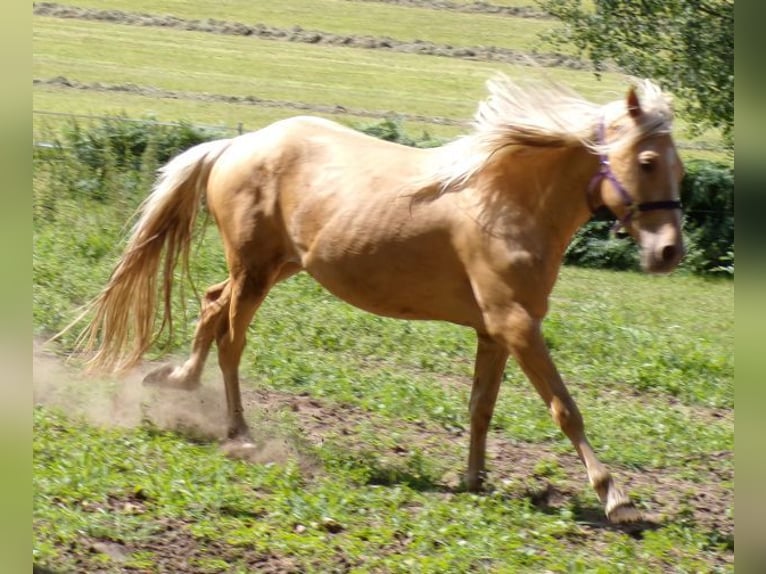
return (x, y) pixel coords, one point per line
(687, 46)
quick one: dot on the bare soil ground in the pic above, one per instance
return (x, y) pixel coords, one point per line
(200, 416)
(298, 34)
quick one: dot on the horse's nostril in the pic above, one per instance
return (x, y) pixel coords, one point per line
(668, 253)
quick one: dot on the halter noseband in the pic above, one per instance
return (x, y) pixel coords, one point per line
(605, 172)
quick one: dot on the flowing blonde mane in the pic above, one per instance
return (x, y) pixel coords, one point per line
(549, 115)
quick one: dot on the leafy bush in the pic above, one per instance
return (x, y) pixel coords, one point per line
(125, 142)
(112, 159)
(391, 129)
(708, 196)
(596, 247)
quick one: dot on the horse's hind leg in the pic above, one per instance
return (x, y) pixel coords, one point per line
(215, 307)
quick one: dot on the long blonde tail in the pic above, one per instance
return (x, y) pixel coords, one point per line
(123, 324)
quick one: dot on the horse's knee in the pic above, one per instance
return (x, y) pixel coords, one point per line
(567, 416)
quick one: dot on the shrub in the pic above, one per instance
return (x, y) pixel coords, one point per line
(391, 129)
(708, 196)
(111, 159)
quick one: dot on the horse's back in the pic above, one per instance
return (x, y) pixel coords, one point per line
(309, 165)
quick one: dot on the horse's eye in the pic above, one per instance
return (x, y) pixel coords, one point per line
(647, 162)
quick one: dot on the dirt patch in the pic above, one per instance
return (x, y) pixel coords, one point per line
(663, 493)
(172, 548)
(199, 416)
(298, 34)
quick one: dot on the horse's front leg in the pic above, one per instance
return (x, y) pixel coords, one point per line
(522, 334)
(491, 357)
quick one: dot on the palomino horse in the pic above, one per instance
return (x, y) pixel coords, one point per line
(472, 232)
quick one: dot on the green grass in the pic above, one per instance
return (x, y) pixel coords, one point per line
(132, 487)
(243, 66)
(223, 65)
(227, 116)
(649, 359)
(393, 367)
(652, 374)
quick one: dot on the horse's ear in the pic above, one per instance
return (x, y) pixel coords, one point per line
(634, 106)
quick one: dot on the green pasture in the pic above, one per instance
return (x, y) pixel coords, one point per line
(226, 116)
(371, 483)
(239, 66)
(202, 62)
(651, 372)
(342, 17)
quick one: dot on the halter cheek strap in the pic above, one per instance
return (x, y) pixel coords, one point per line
(605, 172)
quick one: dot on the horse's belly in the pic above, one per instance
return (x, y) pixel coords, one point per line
(400, 285)
(384, 254)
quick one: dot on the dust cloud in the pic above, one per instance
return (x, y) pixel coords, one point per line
(124, 402)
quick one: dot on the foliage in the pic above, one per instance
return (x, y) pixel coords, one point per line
(391, 129)
(112, 155)
(707, 193)
(594, 245)
(687, 45)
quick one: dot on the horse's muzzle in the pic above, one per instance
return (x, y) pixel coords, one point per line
(662, 257)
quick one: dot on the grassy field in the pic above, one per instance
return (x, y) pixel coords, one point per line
(343, 17)
(224, 65)
(361, 421)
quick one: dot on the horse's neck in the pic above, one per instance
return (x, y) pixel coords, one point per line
(569, 172)
(549, 188)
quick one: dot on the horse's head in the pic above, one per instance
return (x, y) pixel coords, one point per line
(640, 183)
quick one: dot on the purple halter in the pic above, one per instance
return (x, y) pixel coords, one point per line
(605, 172)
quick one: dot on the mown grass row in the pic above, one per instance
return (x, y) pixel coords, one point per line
(346, 18)
(240, 66)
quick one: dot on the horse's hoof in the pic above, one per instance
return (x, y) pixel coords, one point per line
(159, 376)
(624, 512)
(168, 377)
(475, 483)
(240, 448)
